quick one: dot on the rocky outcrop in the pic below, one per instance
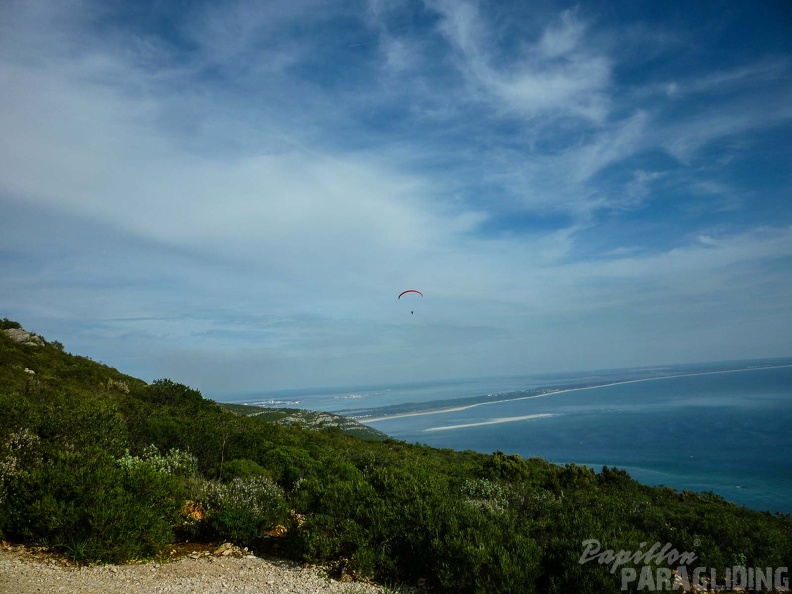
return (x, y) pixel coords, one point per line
(25, 337)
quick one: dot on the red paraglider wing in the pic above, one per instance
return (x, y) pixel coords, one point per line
(409, 291)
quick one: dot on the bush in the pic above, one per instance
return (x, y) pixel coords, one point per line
(479, 556)
(241, 468)
(165, 391)
(85, 504)
(240, 509)
(6, 324)
(484, 494)
(175, 462)
(290, 464)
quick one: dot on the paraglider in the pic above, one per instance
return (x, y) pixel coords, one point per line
(410, 291)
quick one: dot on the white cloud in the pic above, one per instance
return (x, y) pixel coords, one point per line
(621, 141)
(685, 140)
(249, 35)
(557, 75)
(563, 37)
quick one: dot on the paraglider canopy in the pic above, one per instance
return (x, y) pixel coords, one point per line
(410, 291)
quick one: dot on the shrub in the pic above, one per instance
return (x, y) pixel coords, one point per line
(238, 510)
(20, 453)
(165, 391)
(6, 324)
(501, 466)
(84, 503)
(290, 464)
(478, 556)
(175, 462)
(241, 468)
(484, 494)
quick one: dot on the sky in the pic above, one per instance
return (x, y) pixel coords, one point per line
(233, 194)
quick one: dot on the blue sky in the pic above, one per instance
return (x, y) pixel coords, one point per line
(232, 194)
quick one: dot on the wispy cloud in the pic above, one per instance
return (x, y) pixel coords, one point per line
(240, 191)
(556, 75)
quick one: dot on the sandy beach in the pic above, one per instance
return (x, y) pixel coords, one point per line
(491, 422)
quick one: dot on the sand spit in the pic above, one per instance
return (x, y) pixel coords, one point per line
(557, 391)
(491, 422)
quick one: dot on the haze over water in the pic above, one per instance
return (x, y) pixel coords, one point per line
(718, 427)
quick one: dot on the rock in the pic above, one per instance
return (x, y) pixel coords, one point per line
(25, 337)
(224, 549)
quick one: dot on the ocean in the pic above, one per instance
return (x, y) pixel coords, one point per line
(720, 427)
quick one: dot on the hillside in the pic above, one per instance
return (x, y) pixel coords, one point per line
(309, 419)
(104, 467)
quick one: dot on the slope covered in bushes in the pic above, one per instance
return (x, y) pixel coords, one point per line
(109, 468)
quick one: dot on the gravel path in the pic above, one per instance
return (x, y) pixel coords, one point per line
(24, 572)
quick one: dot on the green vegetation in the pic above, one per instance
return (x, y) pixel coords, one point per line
(308, 419)
(6, 324)
(108, 468)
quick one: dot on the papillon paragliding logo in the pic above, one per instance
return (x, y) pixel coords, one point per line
(407, 292)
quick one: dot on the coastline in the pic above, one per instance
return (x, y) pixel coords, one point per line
(716, 430)
(554, 392)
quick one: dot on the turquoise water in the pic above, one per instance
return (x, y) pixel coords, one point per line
(722, 427)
